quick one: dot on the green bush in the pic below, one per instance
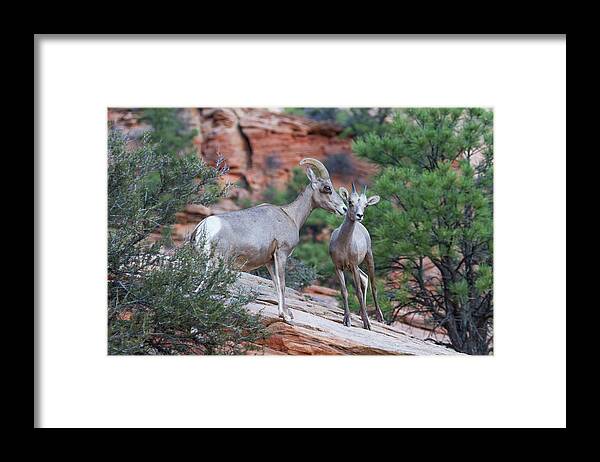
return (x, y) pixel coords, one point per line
(168, 129)
(315, 255)
(152, 306)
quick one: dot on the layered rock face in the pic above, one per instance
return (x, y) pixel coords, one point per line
(262, 147)
(317, 327)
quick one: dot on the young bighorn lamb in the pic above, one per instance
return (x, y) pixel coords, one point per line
(267, 234)
(349, 246)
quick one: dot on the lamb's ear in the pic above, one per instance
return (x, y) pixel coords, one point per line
(373, 200)
(344, 193)
(312, 177)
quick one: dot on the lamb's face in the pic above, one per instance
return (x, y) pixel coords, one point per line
(356, 206)
(357, 203)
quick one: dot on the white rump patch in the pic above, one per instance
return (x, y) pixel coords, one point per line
(209, 229)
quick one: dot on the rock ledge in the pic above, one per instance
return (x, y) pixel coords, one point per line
(317, 328)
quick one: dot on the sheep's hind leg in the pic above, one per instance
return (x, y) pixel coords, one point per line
(371, 269)
(275, 278)
(280, 262)
(364, 280)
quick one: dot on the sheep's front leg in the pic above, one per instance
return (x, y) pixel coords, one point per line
(361, 299)
(280, 262)
(344, 290)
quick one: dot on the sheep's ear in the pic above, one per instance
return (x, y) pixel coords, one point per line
(373, 200)
(344, 193)
(312, 177)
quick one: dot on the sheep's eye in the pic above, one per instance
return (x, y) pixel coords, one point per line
(350, 204)
(327, 189)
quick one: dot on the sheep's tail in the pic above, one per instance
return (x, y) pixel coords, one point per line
(194, 233)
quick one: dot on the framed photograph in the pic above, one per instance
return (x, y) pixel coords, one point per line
(312, 231)
(268, 229)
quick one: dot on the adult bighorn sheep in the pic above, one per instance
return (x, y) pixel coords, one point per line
(349, 246)
(267, 234)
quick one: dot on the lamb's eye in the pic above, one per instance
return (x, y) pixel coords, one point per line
(327, 189)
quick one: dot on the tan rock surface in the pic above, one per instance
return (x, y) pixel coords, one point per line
(317, 328)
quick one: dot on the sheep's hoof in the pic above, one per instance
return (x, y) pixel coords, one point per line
(367, 325)
(347, 321)
(286, 318)
(291, 314)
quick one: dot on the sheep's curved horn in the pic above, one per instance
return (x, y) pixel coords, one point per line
(322, 171)
(364, 189)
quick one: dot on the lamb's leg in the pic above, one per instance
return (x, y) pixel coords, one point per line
(371, 270)
(359, 294)
(344, 290)
(275, 278)
(280, 262)
(364, 280)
